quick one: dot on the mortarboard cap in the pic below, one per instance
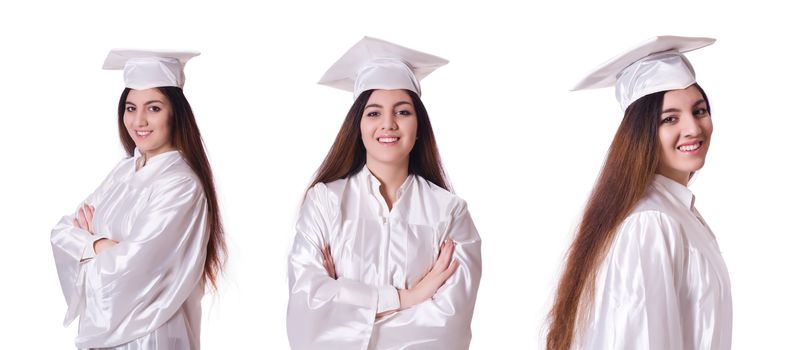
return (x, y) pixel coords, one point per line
(378, 64)
(653, 66)
(144, 69)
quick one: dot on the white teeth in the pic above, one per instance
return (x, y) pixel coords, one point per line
(388, 139)
(143, 133)
(688, 148)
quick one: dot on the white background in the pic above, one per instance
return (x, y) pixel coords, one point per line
(519, 147)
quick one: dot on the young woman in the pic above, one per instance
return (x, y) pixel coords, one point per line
(136, 256)
(645, 271)
(385, 256)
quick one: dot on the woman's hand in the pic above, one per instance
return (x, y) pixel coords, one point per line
(104, 244)
(443, 269)
(328, 262)
(84, 222)
(84, 219)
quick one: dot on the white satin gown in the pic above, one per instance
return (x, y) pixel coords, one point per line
(144, 293)
(664, 283)
(376, 251)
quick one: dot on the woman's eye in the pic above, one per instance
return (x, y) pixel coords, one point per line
(373, 114)
(155, 109)
(130, 109)
(404, 113)
(669, 120)
(700, 112)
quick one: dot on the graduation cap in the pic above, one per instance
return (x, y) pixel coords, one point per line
(144, 69)
(657, 64)
(378, 64)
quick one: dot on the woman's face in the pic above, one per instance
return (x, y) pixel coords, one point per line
(685, 128)
(388, 127)
(148, 118)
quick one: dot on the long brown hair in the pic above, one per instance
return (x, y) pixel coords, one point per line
(187, 139)
(632, 161)
(348, 154)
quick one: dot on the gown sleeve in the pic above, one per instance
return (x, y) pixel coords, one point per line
(639, 306)
(444, 321)
(135, 287)
(72, 247)
(325, 313)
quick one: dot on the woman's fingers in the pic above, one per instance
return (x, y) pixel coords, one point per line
(444, 257)
(450, 270)
(325, 253)
(328, 262)
(448, 251)
(90, 218)
(445, 266)
(82, 218)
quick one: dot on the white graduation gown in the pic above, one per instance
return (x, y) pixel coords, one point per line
(376, 251)
(664, 284)
(144, 293)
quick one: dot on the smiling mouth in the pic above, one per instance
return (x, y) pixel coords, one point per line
(691, 147)
(387, 139)
(142, 133)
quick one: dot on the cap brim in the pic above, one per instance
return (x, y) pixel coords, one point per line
(118, 57)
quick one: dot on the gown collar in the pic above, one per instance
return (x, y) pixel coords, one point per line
(154, 166)
(677, 190)
(159, 158)
(366, 175)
